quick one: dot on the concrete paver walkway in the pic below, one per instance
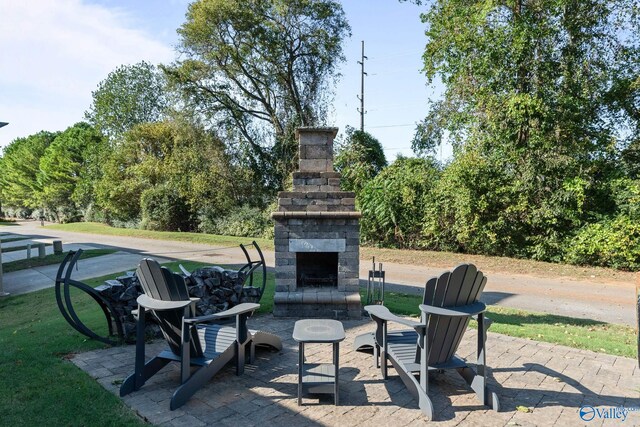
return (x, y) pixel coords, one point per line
(551, 380)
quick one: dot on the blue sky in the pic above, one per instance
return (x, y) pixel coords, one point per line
(54, 53)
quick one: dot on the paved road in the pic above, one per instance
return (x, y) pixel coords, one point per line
(612, 302)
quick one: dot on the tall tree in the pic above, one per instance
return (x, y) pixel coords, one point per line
(537, 90)
(20, 165)
(259, 69)
(66, 170)
(177, 156)
(131, 94)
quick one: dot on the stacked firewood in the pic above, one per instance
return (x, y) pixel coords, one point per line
(218, 289)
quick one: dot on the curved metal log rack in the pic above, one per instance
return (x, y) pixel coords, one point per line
(250, 267)
(63, 297)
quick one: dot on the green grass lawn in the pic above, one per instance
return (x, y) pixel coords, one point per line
(585, 334)
(4, 222)
(209, 239)
(14, 239)
(38, 386)
(21, 264)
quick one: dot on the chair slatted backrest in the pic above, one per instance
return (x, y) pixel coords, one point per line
(160, 283)
(460, 287)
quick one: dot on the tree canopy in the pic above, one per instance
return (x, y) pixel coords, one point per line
(360, 158)
(65, 172)
(19, 184)
(258, 69)
(130, 95)
(540, 96)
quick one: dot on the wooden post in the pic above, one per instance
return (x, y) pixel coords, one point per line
(41, 250)
(57, 246)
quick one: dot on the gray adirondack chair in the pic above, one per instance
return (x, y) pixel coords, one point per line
(193, 341)
(430, 345)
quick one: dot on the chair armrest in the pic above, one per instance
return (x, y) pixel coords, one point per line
(461, 311)
(383, 313)
(160, 305)
(245, 307)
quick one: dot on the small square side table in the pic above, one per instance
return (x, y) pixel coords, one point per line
(318, 377)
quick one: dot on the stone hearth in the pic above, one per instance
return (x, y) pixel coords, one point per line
(317, 237)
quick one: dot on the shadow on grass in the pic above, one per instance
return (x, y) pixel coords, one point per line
(50, 259)
(528, 318)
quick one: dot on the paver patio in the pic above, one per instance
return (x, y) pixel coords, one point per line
(553, 381)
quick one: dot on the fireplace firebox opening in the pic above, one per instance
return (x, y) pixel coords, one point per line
(317, 269)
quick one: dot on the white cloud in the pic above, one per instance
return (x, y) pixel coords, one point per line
(54, 53)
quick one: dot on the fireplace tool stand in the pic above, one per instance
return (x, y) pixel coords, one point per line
(375, 285)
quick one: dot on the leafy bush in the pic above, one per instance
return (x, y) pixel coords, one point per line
(472, 209)
(13, 212)
(610, 243)
(243, 221)
(163, 209)
(359, 159)
(393, 203)
(93, 213)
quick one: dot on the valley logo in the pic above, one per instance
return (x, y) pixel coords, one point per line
(588, 413)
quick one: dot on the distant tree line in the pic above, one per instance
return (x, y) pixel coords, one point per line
(541, 106)
(203, 143)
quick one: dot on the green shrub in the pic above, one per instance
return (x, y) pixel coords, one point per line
(20, 213)
(360, 158)
(393, 203)
(93, 213)
(473, 210)
(609, 243)
(243, 221)
(164, 210)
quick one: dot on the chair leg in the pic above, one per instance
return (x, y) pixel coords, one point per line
(134, 382)
(383, 354)
(242, 339)
(252, 352)
(478, 380)
(415, 389)
(200, 378)
(143, 371)
(376, 355)
(241, 352)
(478, 385)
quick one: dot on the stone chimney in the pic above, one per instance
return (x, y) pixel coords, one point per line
(317, 237)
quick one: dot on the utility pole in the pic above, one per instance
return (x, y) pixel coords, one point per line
(361, 97)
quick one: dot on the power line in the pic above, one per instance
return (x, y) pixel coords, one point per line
(391, 126)
(397, 55)
(397, 149)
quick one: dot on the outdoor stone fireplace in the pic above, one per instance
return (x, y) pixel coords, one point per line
(317, 237)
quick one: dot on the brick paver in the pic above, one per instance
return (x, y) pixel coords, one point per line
(551, 380)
